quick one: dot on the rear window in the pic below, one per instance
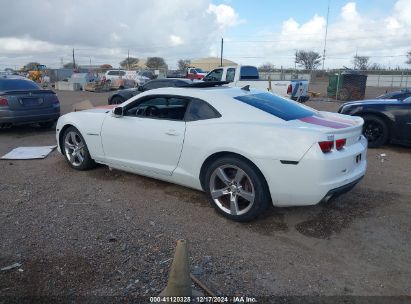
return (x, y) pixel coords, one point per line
(249, 72)
(17, 84)
(276, 105)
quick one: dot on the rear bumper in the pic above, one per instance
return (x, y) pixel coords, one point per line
(29, 116)
(315, 176)
(334, 193)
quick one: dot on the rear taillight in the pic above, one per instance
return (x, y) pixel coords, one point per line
(326, 146)
(3, 102)
(340, 143)
(289, 89)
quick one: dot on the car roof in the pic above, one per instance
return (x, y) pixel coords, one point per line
(13, 77)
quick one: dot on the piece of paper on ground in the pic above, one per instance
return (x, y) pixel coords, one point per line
(29, 152)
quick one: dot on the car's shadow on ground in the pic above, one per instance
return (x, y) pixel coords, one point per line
(26, 130)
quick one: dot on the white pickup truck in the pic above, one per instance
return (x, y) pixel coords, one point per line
(243, 75)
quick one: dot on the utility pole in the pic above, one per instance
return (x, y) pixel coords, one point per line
(128, 60)
(74, 61)
(222, 48)
(326, 32)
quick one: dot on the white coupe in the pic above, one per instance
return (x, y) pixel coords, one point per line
(245, 148)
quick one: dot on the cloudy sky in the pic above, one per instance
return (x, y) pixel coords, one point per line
(254, 32)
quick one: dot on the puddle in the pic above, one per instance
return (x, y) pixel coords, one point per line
(270, 222)
(341, 212)
(187, 195)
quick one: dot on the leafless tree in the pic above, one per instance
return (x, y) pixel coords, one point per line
(266, 67)
(183, 64)
(361, 62)
(408, 57)
(156, 63)
(129, 62)
(310, 60)
(68, 65)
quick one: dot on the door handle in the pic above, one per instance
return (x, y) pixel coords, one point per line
(172, 132)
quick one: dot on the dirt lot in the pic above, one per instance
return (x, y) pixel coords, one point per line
(105, 232)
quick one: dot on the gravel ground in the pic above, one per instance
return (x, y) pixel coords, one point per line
(110, 233)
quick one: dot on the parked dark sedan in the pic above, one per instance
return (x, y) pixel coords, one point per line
(23, 101)
(122, 95)
(385, 120)
(400, 95)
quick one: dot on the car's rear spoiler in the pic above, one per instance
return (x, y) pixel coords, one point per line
(18, 92)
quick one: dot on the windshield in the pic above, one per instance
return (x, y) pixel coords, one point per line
(277, 106)
(199, 70)
(407, 100)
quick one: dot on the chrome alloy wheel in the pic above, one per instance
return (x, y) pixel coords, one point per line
(232, 189)
(74, 148)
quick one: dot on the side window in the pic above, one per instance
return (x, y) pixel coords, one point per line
(121, 73)
(199, 110)
(180, 83)
(170, 108)
(214, 75)
(154, 85)
(230, 74)
(111, 73)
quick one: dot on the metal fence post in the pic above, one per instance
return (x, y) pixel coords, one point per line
(392, 80)
(338, 84)
(402, 75)
(378, 81)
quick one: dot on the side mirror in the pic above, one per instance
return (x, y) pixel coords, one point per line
(140, 89)
(118, 111)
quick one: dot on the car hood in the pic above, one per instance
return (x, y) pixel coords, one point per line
(372, 102)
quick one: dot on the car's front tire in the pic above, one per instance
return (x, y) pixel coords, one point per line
(375, 130)
(236, 188)
(75, 150)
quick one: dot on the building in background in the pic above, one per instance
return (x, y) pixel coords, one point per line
(210, 63)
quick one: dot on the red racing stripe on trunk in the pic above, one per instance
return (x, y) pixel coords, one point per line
(324, 122)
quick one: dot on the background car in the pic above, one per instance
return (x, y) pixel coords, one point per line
(22, 101)
(122, 95)
(385, 120)
(246, 148)
(400, 95)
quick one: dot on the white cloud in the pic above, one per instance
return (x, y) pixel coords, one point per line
(384, 39)
(176, 40)
(170, 29)
(226, 15)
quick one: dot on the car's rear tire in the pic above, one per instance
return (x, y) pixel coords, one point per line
(75, 150)
(375, 130)
(117, 100)
(236, 188)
